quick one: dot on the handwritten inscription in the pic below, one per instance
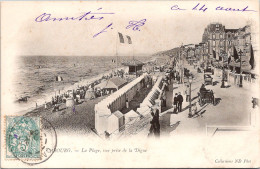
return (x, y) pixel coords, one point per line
(176, 7)
(135, 25)
(86, 16)
(104, 30)
(204, 8)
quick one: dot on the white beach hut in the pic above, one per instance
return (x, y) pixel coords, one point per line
(116, 122)
(131, 116)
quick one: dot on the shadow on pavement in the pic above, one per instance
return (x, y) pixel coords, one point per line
(166, 126)
(217, 101)
(215, 83)
(199, 114)
(194, 98)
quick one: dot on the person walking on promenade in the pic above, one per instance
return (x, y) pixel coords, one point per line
(178, 79)
(152, 128)
(175, 103)
(164, 99)
(127, 103)
(157, 124)
(194, 109)
(180, 100)
(187, 92)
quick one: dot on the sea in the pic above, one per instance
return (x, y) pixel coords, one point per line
(36, 75)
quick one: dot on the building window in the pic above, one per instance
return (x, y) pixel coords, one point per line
(213, 36)
(214, 43)
(217, 27)
(220, 36)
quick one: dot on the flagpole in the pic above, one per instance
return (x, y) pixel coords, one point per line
(133, 50)
(116, 52)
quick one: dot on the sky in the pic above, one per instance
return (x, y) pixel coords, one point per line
(164, 28)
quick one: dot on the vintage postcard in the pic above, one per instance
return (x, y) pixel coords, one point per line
(119, 84)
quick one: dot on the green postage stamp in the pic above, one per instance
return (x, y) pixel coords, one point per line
(23, 137)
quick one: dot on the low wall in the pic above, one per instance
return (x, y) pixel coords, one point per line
(234, 79)
(114, 102)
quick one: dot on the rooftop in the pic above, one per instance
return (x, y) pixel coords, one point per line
(231, 30)
(118, 114)
(118, 81)
(133, 62)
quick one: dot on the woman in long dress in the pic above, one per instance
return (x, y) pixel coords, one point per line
(157, 124)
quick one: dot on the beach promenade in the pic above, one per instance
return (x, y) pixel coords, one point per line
(224, 113)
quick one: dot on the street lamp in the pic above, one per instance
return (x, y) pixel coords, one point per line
(190, 81)
(223, 70)
(240, 53)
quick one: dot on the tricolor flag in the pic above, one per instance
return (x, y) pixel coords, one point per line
(252, 58)
(236, 57)
(214, 54)
(123, 38)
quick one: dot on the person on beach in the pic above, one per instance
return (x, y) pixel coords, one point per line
(52, 101)
(180, 100)
(74, 109)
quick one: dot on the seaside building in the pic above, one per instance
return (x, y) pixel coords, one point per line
(134, 66)
(230, 48)
(214, 36)
(191, 54)
(242, 50)
(229, 39)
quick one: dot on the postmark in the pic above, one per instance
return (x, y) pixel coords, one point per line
(29, 139)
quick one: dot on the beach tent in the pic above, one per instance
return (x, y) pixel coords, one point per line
(59, 78)
(70, 102)
(114, 84)
(116, 122)
(131, 116)
(90, 94)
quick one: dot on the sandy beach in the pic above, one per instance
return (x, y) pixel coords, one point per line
(81, 121)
